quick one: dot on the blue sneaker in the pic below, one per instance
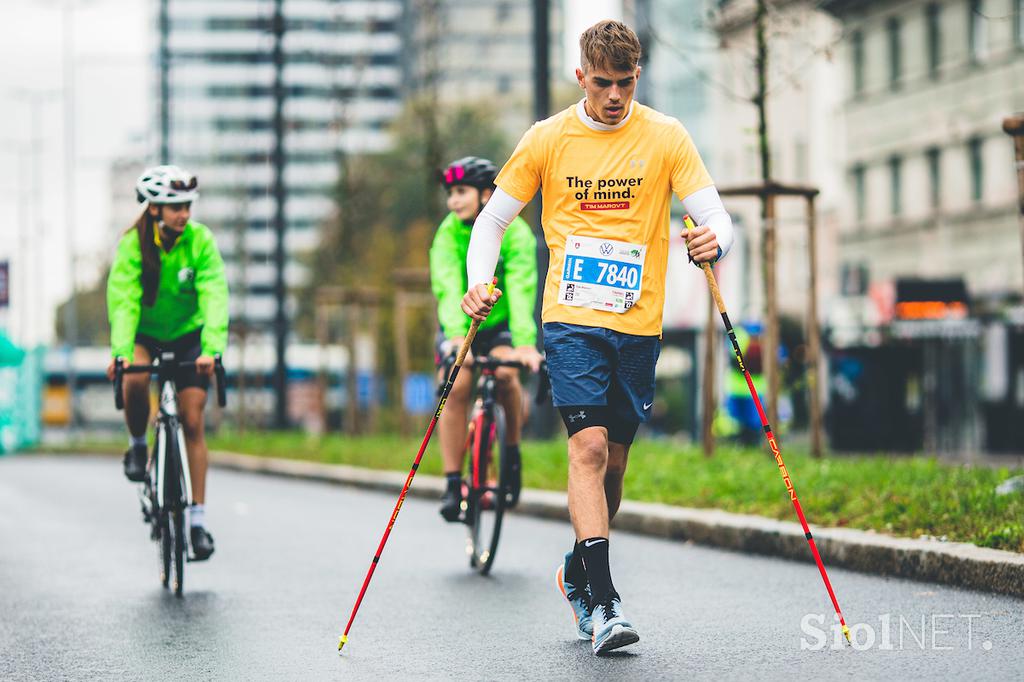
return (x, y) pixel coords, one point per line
(579, 601)
(611, 629)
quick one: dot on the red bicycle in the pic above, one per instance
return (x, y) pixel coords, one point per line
(488, 489)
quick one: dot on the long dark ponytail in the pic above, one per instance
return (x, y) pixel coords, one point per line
(146, 225)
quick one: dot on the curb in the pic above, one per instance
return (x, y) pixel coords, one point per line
(950, 563)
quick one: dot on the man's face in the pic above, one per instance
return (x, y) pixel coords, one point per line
(175, 216)
(609, 93)
(464, 201)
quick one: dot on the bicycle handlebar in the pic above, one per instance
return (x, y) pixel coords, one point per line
(153, 368)
(543, 385)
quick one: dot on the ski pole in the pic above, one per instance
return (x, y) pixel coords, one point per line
(772, 443)
(415, 465)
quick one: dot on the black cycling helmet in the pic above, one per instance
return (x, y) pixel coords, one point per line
(472, 171)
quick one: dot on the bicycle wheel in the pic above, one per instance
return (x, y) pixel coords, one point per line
(486, 498)
(177, 544)
(163, 540)
(174, 513)
(161, 518)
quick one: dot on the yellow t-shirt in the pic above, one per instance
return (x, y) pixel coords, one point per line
(607, 185)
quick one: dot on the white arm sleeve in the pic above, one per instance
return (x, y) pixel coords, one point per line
(485, 242)
(706, 208)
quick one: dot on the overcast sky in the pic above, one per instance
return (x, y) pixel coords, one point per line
(114, 117)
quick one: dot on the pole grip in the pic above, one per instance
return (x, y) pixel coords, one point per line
(473, 328)
(708, 272)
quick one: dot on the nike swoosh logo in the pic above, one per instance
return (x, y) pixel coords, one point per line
(647, 406)
(591, 543)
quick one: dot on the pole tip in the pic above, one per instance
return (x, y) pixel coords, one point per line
(341, 642)
(846, 631)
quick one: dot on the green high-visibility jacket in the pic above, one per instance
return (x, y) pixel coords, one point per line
(516, 273)
(193, 293)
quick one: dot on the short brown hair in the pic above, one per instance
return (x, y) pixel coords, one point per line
(610, 45)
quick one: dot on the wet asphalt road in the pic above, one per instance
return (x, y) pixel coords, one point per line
(80, 599)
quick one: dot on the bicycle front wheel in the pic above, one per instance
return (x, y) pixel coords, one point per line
(174, 543)
(165, 544)
(486, 496)
(177, 546)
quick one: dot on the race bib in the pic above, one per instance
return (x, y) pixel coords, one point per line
(601, 274)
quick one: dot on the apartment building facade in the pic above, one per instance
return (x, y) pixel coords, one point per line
(342, 79)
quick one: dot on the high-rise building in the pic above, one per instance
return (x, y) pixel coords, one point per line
(478, 51)
(342, 80)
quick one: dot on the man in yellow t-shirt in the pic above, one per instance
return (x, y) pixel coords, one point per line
(607, 168)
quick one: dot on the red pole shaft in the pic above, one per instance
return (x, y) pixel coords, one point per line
(398, 506)
(412, 472)
(772, 443)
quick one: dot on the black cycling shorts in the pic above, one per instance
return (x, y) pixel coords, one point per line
(484, 342)
(187, 347)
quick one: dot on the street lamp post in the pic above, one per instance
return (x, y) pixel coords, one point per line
(71, 315)
(36, 227)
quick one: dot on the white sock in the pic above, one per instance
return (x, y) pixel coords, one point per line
(196, 515)
(136, 440)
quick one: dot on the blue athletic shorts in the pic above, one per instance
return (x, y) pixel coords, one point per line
(597, 367)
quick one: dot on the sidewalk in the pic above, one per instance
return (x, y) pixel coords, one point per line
(951, 563)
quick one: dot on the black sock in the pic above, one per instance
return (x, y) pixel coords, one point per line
(454, 480)
(575, 573)
(595, 560)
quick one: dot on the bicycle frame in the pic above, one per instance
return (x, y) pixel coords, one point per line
(486, 399)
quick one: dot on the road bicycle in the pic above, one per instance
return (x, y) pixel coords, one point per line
(167, 491)
(487, 491)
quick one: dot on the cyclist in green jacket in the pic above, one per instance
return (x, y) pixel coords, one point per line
(509, 332)
(167, 292)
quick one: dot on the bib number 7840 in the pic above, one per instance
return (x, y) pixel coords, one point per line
(602, 274)
(609, 273)
(625, 275)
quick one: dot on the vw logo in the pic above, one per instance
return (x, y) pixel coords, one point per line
(606, 249)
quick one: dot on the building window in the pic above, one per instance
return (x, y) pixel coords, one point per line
(977, 42)
(934, 157)
(860, 192)
(894, 28)
(974, 148)
(857, 49)
(896, 184)
(934, 39)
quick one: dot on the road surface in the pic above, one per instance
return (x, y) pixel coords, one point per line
(80, 599)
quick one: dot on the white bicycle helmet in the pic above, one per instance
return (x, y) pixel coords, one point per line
(167, 185)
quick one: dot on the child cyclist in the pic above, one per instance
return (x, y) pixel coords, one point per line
(167, 292)
(509, 332)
